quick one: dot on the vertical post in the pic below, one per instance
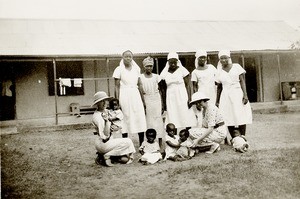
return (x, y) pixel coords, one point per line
(243, 61)
(107, 75)
(260, 84)
(279, 78)
(95, 75)
(156, 61)
(55, 90)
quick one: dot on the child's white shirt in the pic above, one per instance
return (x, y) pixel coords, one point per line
(171, 151)
(238, 142)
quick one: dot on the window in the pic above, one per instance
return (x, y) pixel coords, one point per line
(71, 74)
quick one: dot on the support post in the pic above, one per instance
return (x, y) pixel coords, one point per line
(107, 75)
(55, 90)
(279, 78)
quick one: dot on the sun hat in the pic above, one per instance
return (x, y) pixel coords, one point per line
(198, 96)
(148, 61)
(173, 55)
(99, 96)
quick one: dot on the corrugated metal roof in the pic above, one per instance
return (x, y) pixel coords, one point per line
(88, 37)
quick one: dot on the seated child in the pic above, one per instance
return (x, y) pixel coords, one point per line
(185, 150)
(172, 141)
(115, 116)
(239, 142)
(150, 149)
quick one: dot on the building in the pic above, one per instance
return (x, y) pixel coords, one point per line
(34, 54)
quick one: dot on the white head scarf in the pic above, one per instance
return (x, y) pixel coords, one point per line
(166, 68)
(221, 53)
(199, 53)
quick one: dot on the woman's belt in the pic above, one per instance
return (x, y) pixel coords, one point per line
(219, 124)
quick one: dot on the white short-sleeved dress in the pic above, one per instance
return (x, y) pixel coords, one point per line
(130, 99)
(153, 103)
(206, 81)
(114, 146)
(178, 112)
(231, 104)
(151, 152)
(171, 151)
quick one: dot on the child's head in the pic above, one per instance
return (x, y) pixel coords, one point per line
(184, 134)
(171, 129)
(150, 135)
(114, 104)
(236, 133)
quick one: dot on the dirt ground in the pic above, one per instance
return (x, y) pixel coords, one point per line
(61, 164)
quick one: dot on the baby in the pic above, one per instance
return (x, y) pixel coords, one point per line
(239, 142)
(172, 142)
(115, 116)
(185, 150)
(150, 149)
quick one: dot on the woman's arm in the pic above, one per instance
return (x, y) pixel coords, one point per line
(219, 90)
(204, 135)
(243, 86)
(140, 87)
(195, 86)
(163, 89)
(187, 86)
(117, 88)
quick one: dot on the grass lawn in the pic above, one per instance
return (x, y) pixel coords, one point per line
(61, 164)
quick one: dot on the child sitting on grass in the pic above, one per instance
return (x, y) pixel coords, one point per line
(185, 150)
(172, 141)
(150, 149)
(239, 142)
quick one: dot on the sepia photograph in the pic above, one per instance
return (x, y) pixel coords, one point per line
(150, 99)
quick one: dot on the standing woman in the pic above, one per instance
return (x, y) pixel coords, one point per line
(153, 99)
(177, 93)
(232, 96)
(105, 144)
(128, 89)
(204, 76)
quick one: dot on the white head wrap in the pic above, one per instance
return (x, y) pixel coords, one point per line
(224, 52)
(173, 55)
(221, 53)
(199, 53)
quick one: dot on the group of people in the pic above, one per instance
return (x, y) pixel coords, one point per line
(219, 104)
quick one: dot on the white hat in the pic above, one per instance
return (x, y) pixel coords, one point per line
(99, 96)
(201, 53)
(198, 96)
(173, 55)
(224, 52)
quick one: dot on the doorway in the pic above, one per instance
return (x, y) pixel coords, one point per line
(251, 78)
(8, 94)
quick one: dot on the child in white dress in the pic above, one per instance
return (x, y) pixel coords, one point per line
(185, 151)
(239, 142)
(115, 116)
(150, 149)
(172, 142)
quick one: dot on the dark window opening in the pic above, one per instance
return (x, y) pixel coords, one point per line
(70, 75)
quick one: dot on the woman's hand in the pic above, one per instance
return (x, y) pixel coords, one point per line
(245, 100)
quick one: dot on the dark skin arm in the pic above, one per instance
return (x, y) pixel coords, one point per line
(219, 90)
(163, 90)
(195, 87)
(172, 144)
(117, 88)
(243, 86)
(187, 86)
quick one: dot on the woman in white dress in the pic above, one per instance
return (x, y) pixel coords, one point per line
(105, 144)
(178, 93)
(128, 89)
(153, 100)
(204, 76)
(232, 95)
